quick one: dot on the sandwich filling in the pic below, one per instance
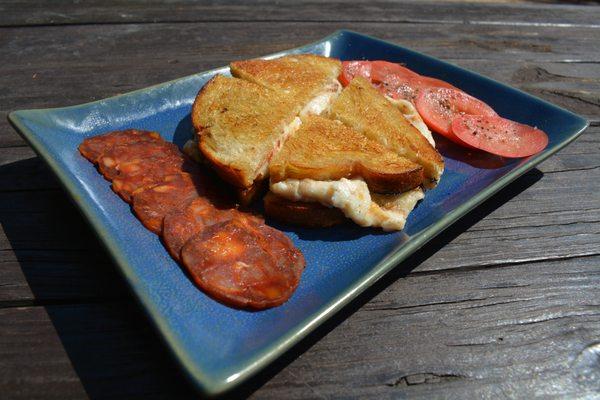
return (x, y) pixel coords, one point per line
(352, 196)
(321, 102)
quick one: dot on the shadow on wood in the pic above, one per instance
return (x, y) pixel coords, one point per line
(112, 348)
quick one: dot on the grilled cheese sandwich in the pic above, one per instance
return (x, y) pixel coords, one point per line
(242, 122)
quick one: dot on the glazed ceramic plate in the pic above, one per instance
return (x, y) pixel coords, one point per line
(218, 346)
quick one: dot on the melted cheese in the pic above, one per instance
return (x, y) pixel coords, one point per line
(323, 100)
(352, 196)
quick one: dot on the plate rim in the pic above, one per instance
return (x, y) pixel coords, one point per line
(213, 385)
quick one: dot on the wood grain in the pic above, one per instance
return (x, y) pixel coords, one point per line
(504, 304)
(512, 332)
(564, 71)
(28, 12)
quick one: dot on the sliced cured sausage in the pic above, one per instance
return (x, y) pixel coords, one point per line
(135, 175)
(244, 263)
(93, 147)
(181, 225)
(151, 204)
(109, 162)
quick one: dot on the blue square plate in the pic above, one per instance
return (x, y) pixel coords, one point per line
(219, 347)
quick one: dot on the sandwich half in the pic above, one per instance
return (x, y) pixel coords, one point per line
(240, 126)
(363, 108)
(329, 163)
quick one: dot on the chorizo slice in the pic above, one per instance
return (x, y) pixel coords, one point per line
(181, 225)
(110, 162)
(93, 147)
(135, 175)
(152, 203)
(244, 263)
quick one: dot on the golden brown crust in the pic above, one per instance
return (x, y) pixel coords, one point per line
(238, 124)
(198, 104)
(227, 172)
(323, 149)
(303, 76)
(363, 108)
(308, 214)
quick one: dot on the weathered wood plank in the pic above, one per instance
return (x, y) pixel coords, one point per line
(489, 333)
(30, 277)
(84, 351)
(514, 332)
(471, 318)
(117, 11)
(536, 59)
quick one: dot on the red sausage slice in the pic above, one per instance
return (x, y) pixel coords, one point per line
(135, 175)
(499, 135)
(92, 148)
(140, 153)
(152, 204)
(244, 263)
(181, 225)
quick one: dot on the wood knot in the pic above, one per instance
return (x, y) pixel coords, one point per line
(425, 378)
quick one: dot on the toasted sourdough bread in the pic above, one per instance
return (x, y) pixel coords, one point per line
(240, 125)
(363, 108)
(313, 214)
(323, 149)
(305, 77)
(302, 213)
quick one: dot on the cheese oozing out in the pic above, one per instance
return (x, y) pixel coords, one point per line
(352, 196)
(321, 102)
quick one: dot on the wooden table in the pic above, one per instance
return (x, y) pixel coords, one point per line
(506, 303)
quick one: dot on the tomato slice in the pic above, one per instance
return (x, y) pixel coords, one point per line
(351, 69)
(398, 87)
(500, 136)
(439, 106)
(382, 69)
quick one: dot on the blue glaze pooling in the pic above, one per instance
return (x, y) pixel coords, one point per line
(219, 346)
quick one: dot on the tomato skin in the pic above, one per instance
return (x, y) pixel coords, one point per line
(500, 136)
(389, 78)
(426, 81)
(397, 81)
(351, 69)
(439, 106)
(382, 69)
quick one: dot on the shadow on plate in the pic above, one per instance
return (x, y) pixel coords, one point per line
(474, 158)
(184, 131)
(111, 346)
